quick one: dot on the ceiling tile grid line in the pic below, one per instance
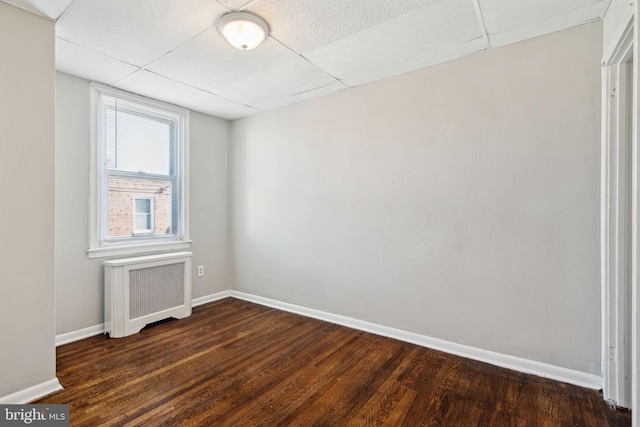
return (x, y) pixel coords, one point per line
(483, 28)
(306, 24)
(138, 31)
(51, 9)
(67, 11)
(208, 62)
(235, 4)
(85, 63)
(200, 89)
(595, 4)
(183, 43)
(549, 24)
(507, 15)
(322, 70)
(107, 55)
(143, 67)
(427, 31)
(137, 69)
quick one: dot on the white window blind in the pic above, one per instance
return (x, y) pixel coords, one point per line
(139, 171)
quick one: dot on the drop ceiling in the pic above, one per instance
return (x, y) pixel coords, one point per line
(170, 49)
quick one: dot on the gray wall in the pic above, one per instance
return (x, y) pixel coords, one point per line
(27, 304)
(460, 202)
(79, 280)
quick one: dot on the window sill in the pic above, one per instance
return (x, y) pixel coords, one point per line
(138, 249)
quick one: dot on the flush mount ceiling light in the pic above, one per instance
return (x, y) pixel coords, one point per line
(243, 30)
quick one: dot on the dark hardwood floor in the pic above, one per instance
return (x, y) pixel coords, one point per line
(241, 364)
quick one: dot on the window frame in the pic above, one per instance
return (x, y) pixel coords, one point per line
(141, 243)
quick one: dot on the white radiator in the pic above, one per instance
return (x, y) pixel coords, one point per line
(143, 290)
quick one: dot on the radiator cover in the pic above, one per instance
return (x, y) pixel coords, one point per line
(143, 290)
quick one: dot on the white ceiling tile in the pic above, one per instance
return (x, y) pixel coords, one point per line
(553, 23)
(391, 69)
(138, 31)
(170, 50)
(208, 61)
(51, 9)
(211, 104)
(157, 87)
(305, 24)
(401, 43)
(274, 102)
(504, 15)
(81, 62)
(285, 80)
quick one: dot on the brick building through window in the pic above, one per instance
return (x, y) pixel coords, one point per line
(122, 214)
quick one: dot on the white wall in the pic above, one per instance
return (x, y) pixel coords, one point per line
(27, 305)
(459, 202)
(79, 280)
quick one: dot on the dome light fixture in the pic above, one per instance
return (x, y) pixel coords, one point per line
(243, 30)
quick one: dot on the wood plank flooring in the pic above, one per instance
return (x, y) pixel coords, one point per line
(234, 363)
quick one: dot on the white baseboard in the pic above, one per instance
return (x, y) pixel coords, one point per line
(519, 364)
(498, 359)
(32, 393)
(80, 334)
(210, 298)
(91, 331)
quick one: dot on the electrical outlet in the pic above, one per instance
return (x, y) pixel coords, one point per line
(200, 270)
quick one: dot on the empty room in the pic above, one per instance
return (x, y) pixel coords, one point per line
(296, 212)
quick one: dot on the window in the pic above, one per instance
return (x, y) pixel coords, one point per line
(138, 174)
(143, 214)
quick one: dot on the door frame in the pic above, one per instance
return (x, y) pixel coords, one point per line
(619, 220)
(635, 273)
